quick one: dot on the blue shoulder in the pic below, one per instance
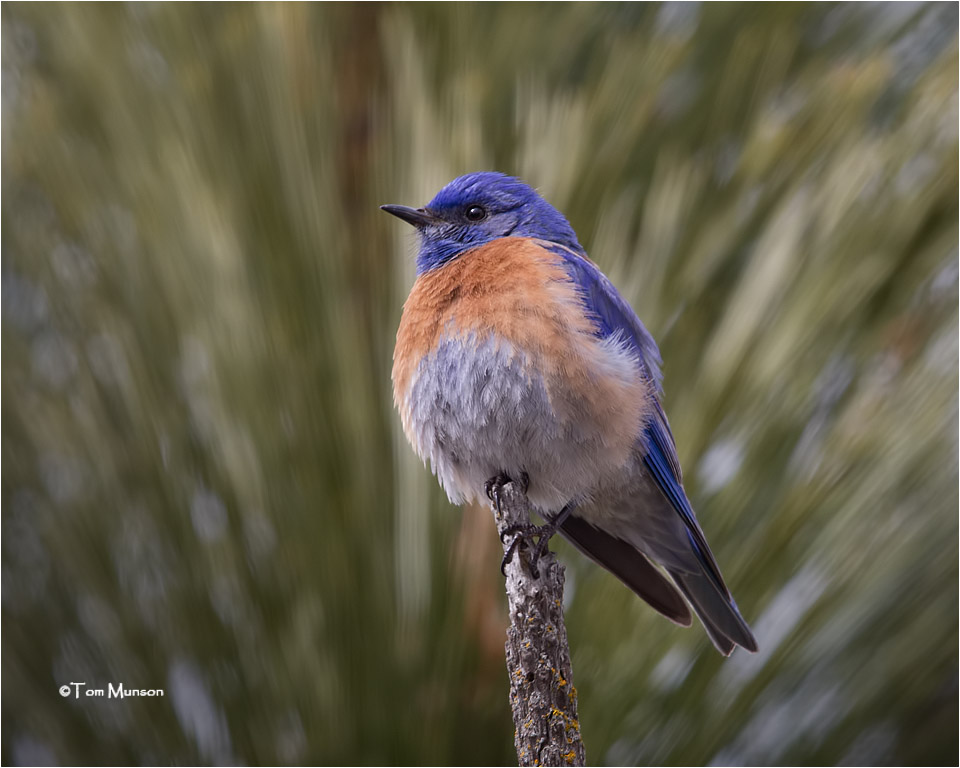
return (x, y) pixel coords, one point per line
(611, 311)
(614, 315)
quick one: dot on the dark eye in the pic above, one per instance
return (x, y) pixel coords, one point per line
(475, 213)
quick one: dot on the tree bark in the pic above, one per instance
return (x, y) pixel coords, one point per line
(542, 696)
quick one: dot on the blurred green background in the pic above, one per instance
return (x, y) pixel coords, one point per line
(206, 488)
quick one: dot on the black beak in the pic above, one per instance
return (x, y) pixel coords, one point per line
(419, 217)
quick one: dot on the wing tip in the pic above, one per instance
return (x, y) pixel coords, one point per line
(631, 567)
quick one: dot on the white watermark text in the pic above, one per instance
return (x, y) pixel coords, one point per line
(112, 691)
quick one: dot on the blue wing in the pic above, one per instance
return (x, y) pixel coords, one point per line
(611, 312)
(694, 571)
(614, 315)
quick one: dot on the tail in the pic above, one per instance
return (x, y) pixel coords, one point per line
(716, 610)
(628, 565)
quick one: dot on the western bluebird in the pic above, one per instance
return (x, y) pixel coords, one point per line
(517, 357)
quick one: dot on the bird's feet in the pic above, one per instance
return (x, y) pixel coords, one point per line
(526, 533)
(494, 486)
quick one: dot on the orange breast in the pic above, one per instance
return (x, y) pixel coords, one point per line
(519, 293)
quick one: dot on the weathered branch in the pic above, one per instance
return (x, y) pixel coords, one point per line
(542, 695)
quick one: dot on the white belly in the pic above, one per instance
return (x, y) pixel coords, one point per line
(475, 409)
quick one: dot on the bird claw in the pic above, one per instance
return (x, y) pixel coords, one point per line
(494, 485)
(526, 532)
(523, 534)
(508, 555)
(524, 482)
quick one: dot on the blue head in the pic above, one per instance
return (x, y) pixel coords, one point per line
(477, 208)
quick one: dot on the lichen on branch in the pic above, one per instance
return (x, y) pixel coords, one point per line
(542, 695)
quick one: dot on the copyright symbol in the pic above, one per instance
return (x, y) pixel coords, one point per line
(64, 690)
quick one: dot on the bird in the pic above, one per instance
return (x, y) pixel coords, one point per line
(516, 357)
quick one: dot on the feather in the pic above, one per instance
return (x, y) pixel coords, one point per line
(699, 579)
(628, 565)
